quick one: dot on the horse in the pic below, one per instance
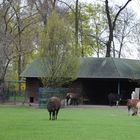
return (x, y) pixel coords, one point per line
(53, 107)
(138, 108)
(114, 99)
(132, 105)
(72, 99)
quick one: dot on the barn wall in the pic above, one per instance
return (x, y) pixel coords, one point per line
(97, 90)
(93, 91)
(32, 85)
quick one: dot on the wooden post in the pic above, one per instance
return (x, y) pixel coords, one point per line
(119, 87)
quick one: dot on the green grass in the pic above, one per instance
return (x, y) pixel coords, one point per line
(24, 123)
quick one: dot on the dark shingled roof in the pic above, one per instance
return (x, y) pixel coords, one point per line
(96, 68)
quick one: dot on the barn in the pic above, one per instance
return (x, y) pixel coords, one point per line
(97, 78)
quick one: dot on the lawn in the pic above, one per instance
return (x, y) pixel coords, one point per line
(97, 123)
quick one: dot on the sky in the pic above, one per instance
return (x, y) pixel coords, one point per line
(134, 4)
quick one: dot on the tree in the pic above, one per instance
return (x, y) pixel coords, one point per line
(76, 22)
(15, 33)
(124, 31)
(81, 15)
(98, 26)
(21, 23)
(4, 42)
(60, 61)
(112, 25)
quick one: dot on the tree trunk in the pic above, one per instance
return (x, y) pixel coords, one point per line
(19, 72)
(109, 43)
(76, 22)
(108, 49)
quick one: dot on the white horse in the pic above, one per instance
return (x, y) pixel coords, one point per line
(138, 108)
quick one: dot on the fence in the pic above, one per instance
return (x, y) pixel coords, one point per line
(46, 93)
(9, 92)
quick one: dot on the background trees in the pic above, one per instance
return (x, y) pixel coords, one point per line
(16, 36)
(97, 29)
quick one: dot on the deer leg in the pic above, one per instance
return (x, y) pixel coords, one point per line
(50, 114)
(53, 115)
(56, 113)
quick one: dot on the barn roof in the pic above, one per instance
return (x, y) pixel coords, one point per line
(96, 68)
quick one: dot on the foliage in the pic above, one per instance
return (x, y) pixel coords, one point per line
(94, 26)
(60, 61)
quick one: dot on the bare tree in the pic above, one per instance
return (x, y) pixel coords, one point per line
(112, 25)
(45, 7)
(124, 31)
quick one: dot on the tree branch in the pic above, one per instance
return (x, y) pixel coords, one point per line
(67, 6)
(114, 22)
